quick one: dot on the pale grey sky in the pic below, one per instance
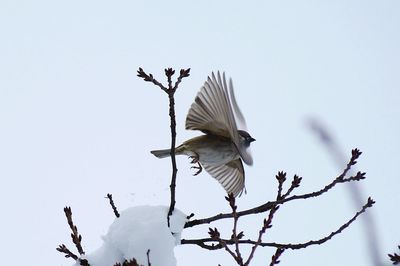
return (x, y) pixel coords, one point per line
(76, 123)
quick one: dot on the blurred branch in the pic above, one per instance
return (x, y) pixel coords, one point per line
(334, 149)
(170, 90)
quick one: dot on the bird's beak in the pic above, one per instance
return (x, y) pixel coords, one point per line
(252, 139)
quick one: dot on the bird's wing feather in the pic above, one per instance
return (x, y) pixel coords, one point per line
(212, 113)
(230, 175)
(238, 113)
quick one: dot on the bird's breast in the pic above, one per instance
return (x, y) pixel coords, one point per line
(213, 150)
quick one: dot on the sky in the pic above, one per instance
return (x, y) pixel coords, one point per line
(77, 123)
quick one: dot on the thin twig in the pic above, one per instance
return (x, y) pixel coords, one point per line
(281, 178)
(295, 183)
(235, 237)
(76, 237)
(182, 74)
(267, 224)
(395, 258)
(275, 258)
(109, 196)
(148, 257)
(68, 254)
(149, 78)
(215, 235)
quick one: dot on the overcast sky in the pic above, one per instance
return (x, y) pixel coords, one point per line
(76, 123)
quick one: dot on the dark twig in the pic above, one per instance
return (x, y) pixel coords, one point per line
(169, 72)
(84, 262)
(149, 78)
(268, 205)
(215, 235)
(131, 262)
(184, 73)
(76, 237)
(203, 242)
(281, 178)
(295, 183)
(266, 225)
(173, 159)
(148, 257)
(395, 258)
(109, 196)
(68, 254)
(275, 258)
(235, 236)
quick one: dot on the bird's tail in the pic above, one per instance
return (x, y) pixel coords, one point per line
(162, 153)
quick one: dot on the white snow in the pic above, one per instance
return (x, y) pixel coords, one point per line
(137, 230)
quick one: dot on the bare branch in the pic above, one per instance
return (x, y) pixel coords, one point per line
(109, 196)
(148, 257)
(275, 258)
(169, 72)
(68, 254)
(150, 78)
(395, 258)
(268, 205)
(295, 183)
(235, 237)
(76, 237)
(183, 74)
(281, 178)
(215, 235)
(203, 242)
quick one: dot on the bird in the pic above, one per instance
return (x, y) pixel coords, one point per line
(223, 148)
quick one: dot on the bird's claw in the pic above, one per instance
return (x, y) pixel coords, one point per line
(198, 167)
(195, 159)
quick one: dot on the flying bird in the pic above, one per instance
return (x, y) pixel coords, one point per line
(223, 148)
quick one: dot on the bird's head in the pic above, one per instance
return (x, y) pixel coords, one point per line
(245, 138)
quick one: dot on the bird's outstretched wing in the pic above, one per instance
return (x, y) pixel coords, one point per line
(230, 176)
(212, 113)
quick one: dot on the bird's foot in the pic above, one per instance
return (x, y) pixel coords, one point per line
(198, 167)
(195, 158)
